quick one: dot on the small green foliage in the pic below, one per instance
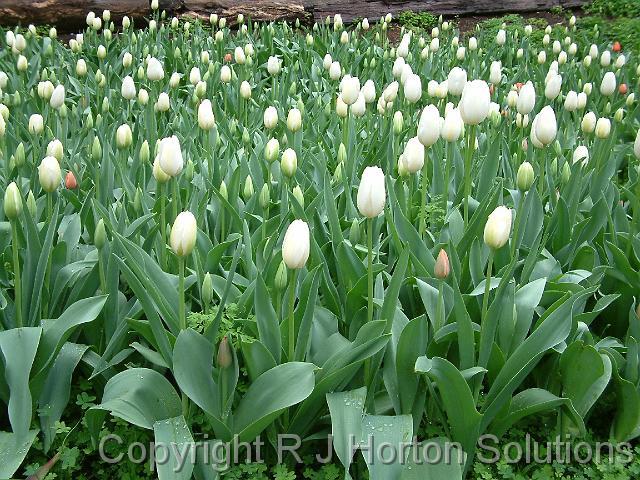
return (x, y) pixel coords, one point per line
(615, 8)
(418, 20)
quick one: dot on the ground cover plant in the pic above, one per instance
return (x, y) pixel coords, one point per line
(211, 236)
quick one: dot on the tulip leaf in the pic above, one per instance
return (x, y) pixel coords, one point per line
(13, 450)
(347, 410)
(268, 325)
(174, 443)
(386, 463)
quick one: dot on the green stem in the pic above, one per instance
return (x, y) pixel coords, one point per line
(292, 322)
(176, 197)
(439, 323)
(103, 280)
(182, 317)
(423, 200)
(17, 281)
(445, 187)
(487, 288)
(543, 167)
(370, 268)
(516, 228)
(471, 143)
(47, 274)
(163, 226)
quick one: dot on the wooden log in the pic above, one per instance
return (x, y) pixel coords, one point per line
(68, 14)
(257, 10)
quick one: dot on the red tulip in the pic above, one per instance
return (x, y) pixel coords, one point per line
(70, 181)
(623, 89)
(227, 58)
(616, 46)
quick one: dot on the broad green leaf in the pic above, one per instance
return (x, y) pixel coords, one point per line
(175, 446)
(268, 325)
(13, 450)
(347, 410)
(385, 463)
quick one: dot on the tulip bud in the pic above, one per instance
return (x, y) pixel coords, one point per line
(124, 137)
(96, 150)
(603, 127)
(183, 234)
(608, 85)
(70, 181)
(265, 197)
(12, 201)
(298, 195)
(19, 155)
(442, 268)
(296, 245)
(371, 192)
(545, 125)
(498, 228)
(474, 103)
(206, 119)
(207, 290)
(281, 277)
(270, 118)
(294, 120)
(170, 156)
(588, 124)
(398, 122)
(224, 358)
(247, 193)
(289, 162)
(49, 174)
(354, 232)
(525, 177)
(31, 204)
(100, 235)
(636, 146)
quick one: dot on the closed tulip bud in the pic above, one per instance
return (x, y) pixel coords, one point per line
(128, 89)
(239, 56)
(553, 86)
(36, 124)
(461, 53)
(350, 89)
(608, 85)
(272, 150)
(498, 228)
(298, 195)
(57, 97)
(452, 126)
(582, 100)
(619, 115)
(542, 57)
(296, 245)
(265, 196)
(174, 80)
(194, 76)
(158, 173)
(369, 91)
(636, 146)
(327, 61)
(70, 181)
(124, 137)
(12, 201)
(100, 235)
(289, 162)
(501, 37)
(581, 154)
(206, 120)
(81, 68)
(245, 90)
(170, 156)
(605, 58)
(391, 92)
(55, 149)
(294, 120)
(525, 176)
(473, 44)
(335, 72)
(19, 154)
(588, 124)
(413, 155)
(155, 71)
(442, 268)
(474, 103)
(413, 88)
(495, 75)
(273, 65)
(183, 234)
(96, 150)
(630, 99)
(247, 192)
(545, 126)
(105, 105)
(22, 64)
(571, 101)
(603, 127)
(223, 190)
(371, 192)
(281, 277)
(398, 122)
(49, 174)
(429, 126)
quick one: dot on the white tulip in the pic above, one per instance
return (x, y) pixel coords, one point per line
(636, 146)
(603, 127)
(239, 56)
(335, 72)
(413, 155)
(391, 92)
(57, 97)
(588, 124)
(582, 100)
(206, 119)
(474, 103)
(183, 234)
(327, 61)
(593, 51)
(359, 108)
(571, 101)
(371, 192)
(225, 74)
(245, 90)
(289, 162)
(369, 91)
(620, 61)
(546, 126)
(36, 124)
(55, 149)
(495, 73)
(608, 85)
(163, 104)
(273, 65)
(270, 118)
(49, 174)
(154, 69)
(124, 136)
(512, 99)
(128, 89)
(294, 120)
(553, 86)
(461, 52)
(605, 58)
(194, 76)
(342, 109)
(413, 88)
(81, 67)
(473, 43)
(452, 126)
(429, 125)
(434, 46)
(542, 57)
(501, 37)
(581, 153)
(350, 89)
(456, 80)
(170, 156)
(498, 228)
(296, 245)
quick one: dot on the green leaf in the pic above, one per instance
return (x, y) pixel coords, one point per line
(175, 444)
(141, 397)
(19, 347)
(13, 450)
(271, 393)
(346, 409)
(436, 466)
(386, 464)
(267, 320)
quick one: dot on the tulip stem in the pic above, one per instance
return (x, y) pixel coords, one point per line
(176, 197)
(445, 187)
(17, 282)
(487, 287)
(292, 322)
(439, 323)
(47, 273)
(163, 226)
(516, 228)
(423, 201)
(370, 268)
(182, 317)
(471, 143)
(543, 166)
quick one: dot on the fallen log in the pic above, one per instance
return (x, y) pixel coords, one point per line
(68, 14)
(258, 10)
